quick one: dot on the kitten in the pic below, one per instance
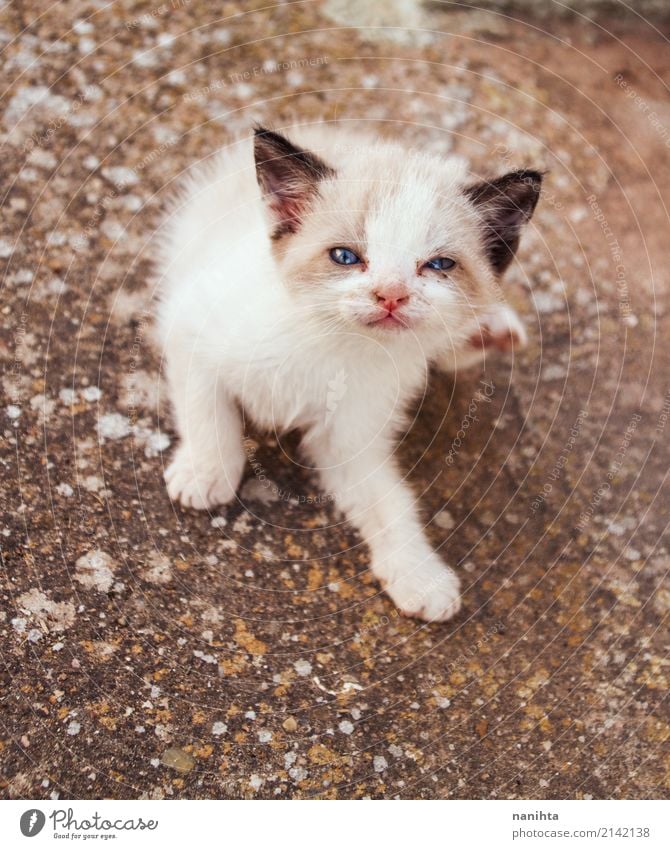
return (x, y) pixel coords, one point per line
(311, 283)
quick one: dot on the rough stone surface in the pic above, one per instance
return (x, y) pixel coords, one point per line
(254, 642)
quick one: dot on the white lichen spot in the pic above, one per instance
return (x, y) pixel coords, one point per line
(68, 396)
(242, 524)
(43, 406)
(441, 701)
(298, 773)
(445, 520)
(158, 569)
(95, 570)
(264, 736)
(379, 763)
(91, 393)
(302, 667)
(346, 727)
(113, 229)
(121, 176)
(219, 728)
(13, 412)
(113, 426)
(65, 489)
(206, 658)
(264, 492)
(74, 728)
(156, 443)
(54, 615)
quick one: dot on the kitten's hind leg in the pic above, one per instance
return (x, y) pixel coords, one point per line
(208, 464)
(499, 328)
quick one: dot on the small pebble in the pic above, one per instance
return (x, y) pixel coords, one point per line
(178, 759)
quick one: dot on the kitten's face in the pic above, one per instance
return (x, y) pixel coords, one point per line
(390, 243)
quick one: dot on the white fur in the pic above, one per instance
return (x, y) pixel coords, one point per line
(280, 333)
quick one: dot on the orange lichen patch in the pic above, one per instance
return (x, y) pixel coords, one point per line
(162, 715)
(413, 752)
(101, 710)
(232, 665)
(204, 751)
(159, 674)
(100, 649)
(489, 684)
(198, 717)
(314, 578)
(536, 680)
(538, 715)
(653, 676)
(601, 748)
(656, 731)
(457, 678)
(320, 754)
(246, 640)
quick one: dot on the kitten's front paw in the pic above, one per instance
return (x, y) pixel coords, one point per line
(427, 590)
(197, 486)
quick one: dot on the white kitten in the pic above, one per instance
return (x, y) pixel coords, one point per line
(312, 287)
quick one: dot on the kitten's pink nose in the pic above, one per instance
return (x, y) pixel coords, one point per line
(391, 297)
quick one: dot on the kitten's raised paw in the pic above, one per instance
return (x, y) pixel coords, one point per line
(501, 329)
(197, 487)
(429, 591)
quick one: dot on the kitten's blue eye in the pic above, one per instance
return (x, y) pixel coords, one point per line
(440, 263)
(343, 256)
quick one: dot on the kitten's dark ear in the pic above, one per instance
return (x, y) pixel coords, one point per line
(505, 204)
(288, 176)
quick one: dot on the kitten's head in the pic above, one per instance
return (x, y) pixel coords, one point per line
(387, 240)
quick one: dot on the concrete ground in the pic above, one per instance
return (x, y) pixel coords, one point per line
(153, 652)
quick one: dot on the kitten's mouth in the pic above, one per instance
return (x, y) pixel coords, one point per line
(389, 320)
